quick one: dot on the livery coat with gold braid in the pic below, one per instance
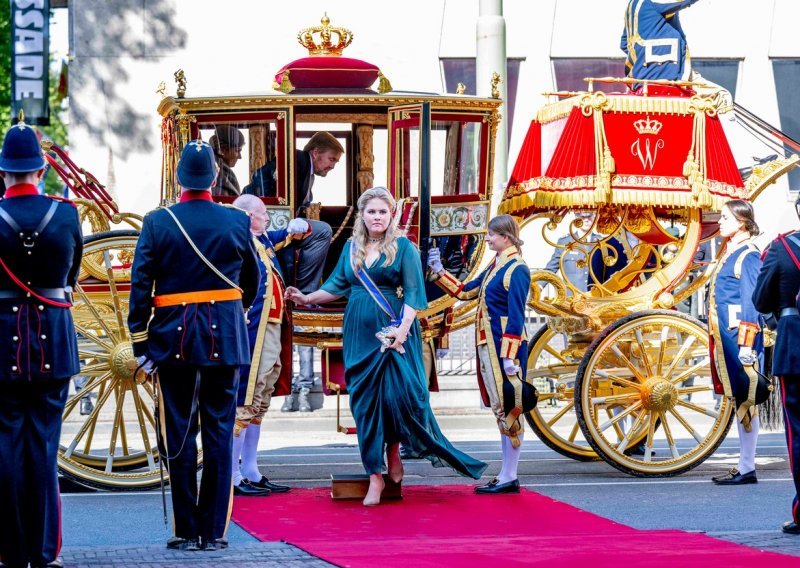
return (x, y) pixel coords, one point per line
(270, 295)
(502, 292)
(733, 322)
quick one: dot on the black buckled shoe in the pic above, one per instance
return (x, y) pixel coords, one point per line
(265, 483)
(178, 543)
(247, 489)
(212, 544)
(791, 528)
(735, 478)
(494, 487)
(730, 473)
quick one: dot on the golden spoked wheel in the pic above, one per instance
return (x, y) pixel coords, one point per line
(647, 377)
(554, 420)
(113, 445)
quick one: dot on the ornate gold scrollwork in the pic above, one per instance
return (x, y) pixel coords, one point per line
(595, 101)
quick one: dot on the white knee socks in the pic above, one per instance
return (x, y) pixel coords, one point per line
(250, 453)
(238, 441)
(747, 446)
(510, 459)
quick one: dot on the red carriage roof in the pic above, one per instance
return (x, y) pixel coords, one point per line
(594, 148)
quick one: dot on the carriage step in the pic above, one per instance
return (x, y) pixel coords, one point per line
(355, 487)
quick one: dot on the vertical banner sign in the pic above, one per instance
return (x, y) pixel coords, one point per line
(30, 60)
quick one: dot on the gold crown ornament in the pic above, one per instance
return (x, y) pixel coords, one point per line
(647, 126)
(318, 40)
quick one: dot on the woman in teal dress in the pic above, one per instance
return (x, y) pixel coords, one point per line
(380, 273)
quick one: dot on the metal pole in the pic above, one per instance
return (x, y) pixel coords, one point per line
(491, 58)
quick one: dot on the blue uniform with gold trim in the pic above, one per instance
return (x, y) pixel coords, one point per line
(654, 42)
(731, 315)
(502, 292)
(198, 346)
(256, 311)
(38, 355)
(776, 293)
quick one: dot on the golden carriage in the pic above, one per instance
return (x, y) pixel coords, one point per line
(434, 152)
(624, 365)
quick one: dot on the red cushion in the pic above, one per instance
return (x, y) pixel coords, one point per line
(329, 73)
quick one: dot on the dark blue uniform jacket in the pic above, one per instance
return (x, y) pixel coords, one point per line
(202, 334)
(777, 288)
(37, 341)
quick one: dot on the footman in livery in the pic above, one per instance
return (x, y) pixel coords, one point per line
(502, 291)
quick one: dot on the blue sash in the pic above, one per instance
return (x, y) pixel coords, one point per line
(375, 292)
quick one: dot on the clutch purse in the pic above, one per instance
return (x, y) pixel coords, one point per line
(383, 336)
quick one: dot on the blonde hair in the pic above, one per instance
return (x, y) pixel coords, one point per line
(506, 226)
(358, 241)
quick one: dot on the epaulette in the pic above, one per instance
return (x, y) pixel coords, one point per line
(63, 199)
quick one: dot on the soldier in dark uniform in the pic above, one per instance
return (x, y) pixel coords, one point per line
(195, 271)
(776, 294)
(39, 262)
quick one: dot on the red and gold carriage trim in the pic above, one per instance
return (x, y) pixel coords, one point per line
(624, 366)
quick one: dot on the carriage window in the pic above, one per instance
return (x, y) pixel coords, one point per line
(455, 158)
(332, 188)
(246, 156)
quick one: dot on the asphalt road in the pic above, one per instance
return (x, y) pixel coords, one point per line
(304, 450)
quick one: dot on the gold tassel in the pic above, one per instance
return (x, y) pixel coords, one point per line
(384, 86)
(286, 85)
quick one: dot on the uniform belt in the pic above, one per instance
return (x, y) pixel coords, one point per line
(789, 312)
(199, 297)
(52, 293)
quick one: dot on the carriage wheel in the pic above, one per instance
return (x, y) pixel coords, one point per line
(554, 420)
(113, 446)
(647, 377)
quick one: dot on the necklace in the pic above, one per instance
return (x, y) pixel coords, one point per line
(373, 240)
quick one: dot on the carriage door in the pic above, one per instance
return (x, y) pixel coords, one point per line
(453, 204)
(409, 170)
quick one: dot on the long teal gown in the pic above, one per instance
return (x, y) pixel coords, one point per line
(388, 391)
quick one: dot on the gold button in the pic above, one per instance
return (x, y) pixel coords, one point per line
(213, 301)
(183, 303)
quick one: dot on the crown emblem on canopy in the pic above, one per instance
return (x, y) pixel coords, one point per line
(647, 126)
(318, 39)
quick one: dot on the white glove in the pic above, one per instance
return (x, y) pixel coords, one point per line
(297, 227)
(435, 260)
(144, 363)
(746, 355)
(510, 367)
(442, 353)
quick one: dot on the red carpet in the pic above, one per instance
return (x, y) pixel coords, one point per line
(450, 526)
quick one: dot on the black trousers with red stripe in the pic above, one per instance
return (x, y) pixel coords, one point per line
(202, 514)
(790, 395)
(30, 505)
